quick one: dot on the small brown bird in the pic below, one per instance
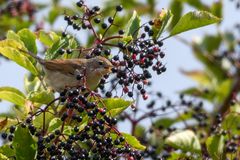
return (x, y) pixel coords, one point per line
(62, 73)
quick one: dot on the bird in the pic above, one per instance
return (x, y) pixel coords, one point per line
(61, 73)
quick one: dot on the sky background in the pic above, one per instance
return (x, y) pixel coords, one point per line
(178, 56)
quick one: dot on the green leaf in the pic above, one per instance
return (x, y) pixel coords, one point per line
(184, 140)
(24, 144)
(12, 95)
(230, 40)
(68, 130)
(3, 157)
(115, 106)
(222, 90)
(52, 52)
(7, 151)
(13, 44)
(54, 124)
(199, 76)
(193, 20)
(48, 38)
(161, 23)
(14, 36)
(176, 7)
(231, 122)
(31, 83)
(140, 131)
(29, 39)
(38, 121)
(197, 4)
(132, 141)
(133, 25)
(53, 14)
(211, 64)
(164, 122)
(217, 8)
(10, 49)
(211, 43)
(215, 146)
(43, 97)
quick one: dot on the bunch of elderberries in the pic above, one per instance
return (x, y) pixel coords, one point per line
(19, 8)
(134, 56)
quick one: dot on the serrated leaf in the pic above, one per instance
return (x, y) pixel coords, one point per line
(193, 20)
(133, 25)
(43, 97)
(115, 106)
(132, 141)
(184, 140)
(12, 95)
(215, 146)
(29, 39)
(54, 124)
(48, 38)
(24, 144)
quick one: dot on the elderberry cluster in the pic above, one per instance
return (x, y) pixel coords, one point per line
(81, 121)
(18, 8)
(134, 57)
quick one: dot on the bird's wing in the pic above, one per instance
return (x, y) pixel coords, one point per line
(67, 66)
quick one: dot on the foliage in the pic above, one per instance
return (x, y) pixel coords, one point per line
(82, 123)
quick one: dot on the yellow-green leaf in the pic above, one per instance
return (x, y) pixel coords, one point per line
(184, 140)
(12, 95)
(29, 39)
(18, 57)
(48, 38)
(43, 97)
(193, 20)
(132, 141)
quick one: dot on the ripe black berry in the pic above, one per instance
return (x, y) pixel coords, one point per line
(110, 19)
(80, 3)
(97, 20)
(104, 25)
(108, 94)
(4, 135)
(120, 32)
(119, 8)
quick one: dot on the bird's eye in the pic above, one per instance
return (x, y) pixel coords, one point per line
(100, 63)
